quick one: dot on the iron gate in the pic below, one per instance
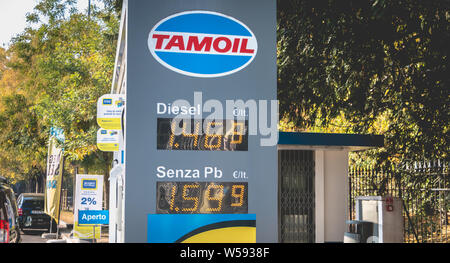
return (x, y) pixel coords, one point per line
(296, 196)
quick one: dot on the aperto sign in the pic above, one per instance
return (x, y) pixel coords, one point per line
(202, 44)
(93, 217)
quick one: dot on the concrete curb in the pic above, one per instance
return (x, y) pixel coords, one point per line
(56, 241)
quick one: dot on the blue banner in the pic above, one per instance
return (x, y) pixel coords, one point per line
(58, 133)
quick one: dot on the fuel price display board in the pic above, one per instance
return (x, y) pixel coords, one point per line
(193, 147)
(233, 135)
(202, 198)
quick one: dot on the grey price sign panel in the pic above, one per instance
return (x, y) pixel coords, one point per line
(213, 63)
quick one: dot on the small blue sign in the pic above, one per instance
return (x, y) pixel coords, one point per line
(107, 101)
(93, 217)
(89, 184)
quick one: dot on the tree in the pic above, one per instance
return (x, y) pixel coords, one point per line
(61, 68)
(22, 153)
(372, 62)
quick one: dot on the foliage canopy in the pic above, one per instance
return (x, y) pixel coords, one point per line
(373, 66)
(51, 76)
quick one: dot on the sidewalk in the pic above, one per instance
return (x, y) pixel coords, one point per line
(63, 229)
(66, 231)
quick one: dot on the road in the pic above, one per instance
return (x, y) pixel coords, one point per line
(33, 236)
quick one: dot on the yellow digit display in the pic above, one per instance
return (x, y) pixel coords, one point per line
(202, 135)
(189, 198)
(202, 198)
(172, 198)
(239, 195)
(194, 135)
(216, 195)
(239, 133)
(211, 136)
(172, 135)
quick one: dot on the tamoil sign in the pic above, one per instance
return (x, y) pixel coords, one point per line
(224, 50)
(202, 44)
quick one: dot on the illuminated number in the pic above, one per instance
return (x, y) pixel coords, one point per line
(187, 198)
(195, 134)
(239, 195)
(208, 143)
(172, 136)
(172, 198)
(217, 196)
(239, 133)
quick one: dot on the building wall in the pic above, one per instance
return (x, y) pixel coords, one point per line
(331, 194)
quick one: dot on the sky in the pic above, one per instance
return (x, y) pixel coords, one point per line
(12, 17)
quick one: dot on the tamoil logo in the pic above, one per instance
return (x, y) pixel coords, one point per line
(202, 44)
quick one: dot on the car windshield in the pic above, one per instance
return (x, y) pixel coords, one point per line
(37, 204)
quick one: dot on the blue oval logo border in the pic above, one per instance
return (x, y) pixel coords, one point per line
(226, 62)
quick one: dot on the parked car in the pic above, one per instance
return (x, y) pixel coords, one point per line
(9, 230)
(31, 213)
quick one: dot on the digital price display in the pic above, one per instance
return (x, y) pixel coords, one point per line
(233, 135)
(201, 198)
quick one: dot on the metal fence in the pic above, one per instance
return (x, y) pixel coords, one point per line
(424, 188)
(296, 196)
(66, 200)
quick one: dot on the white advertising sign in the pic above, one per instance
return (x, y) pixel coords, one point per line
(108, 140)
(109, 111)
(89, 196)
